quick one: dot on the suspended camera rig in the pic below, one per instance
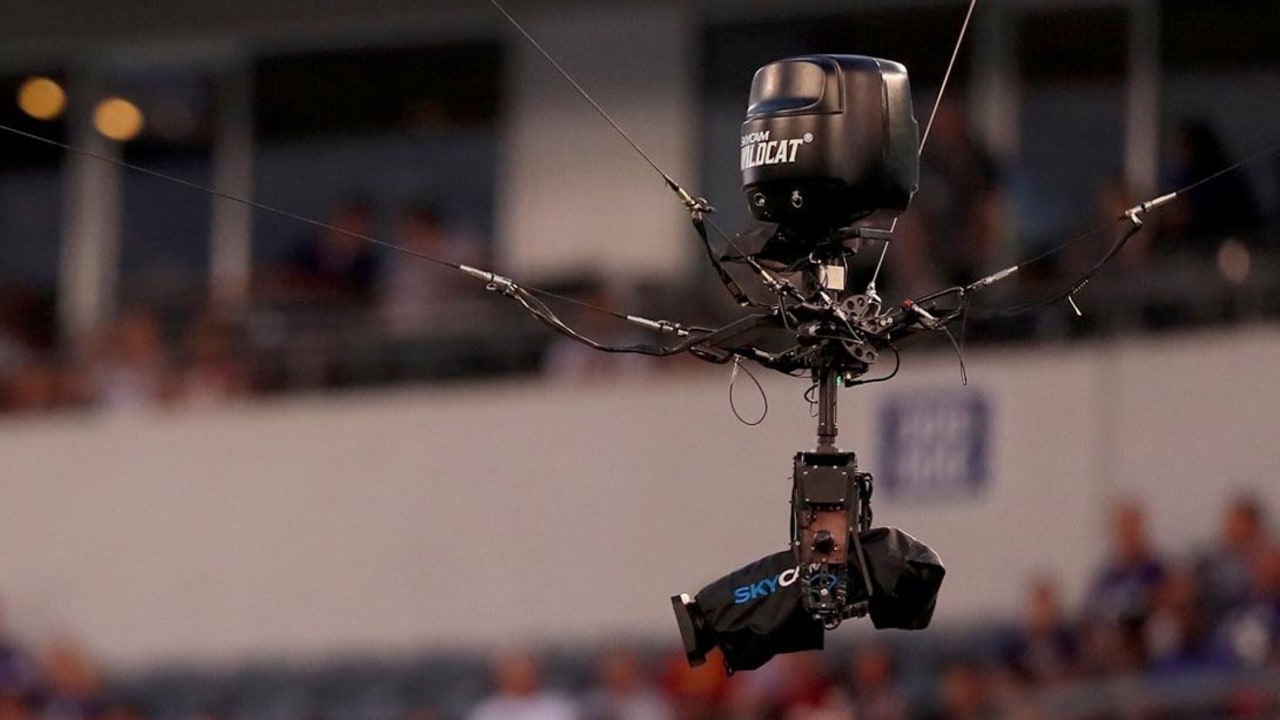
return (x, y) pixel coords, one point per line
(830, 150)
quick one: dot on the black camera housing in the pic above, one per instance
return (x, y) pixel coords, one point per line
(829, 139)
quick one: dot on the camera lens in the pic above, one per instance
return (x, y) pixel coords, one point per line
(696, 637)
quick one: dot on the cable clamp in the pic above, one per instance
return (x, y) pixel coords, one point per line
(697, 207)
(1133, 214)
(492, 281)
(662, 326)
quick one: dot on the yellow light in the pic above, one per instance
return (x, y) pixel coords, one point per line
(42, 98)
(118, 119)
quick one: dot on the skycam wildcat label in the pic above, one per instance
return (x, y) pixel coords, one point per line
(758, 149)
(765, 587)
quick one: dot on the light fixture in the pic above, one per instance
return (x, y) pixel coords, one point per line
(42, 98)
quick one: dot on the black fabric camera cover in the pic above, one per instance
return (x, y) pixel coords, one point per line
(758, 610)
(905, 576)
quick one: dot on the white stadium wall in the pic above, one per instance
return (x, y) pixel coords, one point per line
(497, 513)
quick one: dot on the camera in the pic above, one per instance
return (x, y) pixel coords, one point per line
(759, 610)
(828, 140)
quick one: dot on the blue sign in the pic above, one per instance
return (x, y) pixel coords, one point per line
(934, 445)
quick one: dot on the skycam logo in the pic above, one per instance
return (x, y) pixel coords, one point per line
(765, 587)
(758, 149)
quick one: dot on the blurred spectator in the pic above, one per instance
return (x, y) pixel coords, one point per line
(213, 372)
(624, 692)
(130, 369)
(35, 385)
(120, 710)
(966, 694)
(17, 672)
(25, 327)
(1044, 648)
(1111, 650)
(695, 693)
(1251, 632)
(955, 229)
(751, 695)
(72, 683)
(28, 382)
(336, 264)
(520, 695)
(1125, 586)
(1251, 702)
(1275, 203)
(806, 691)
(14, 706)
(1215, 211)
(1177, 633)
(1227, 570)
(417, 294)
(875, 691)
(13, 353)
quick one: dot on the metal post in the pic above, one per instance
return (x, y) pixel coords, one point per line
(995, 100)
(92, 220)
(827, 430)
(230, 249)
(1142, 99)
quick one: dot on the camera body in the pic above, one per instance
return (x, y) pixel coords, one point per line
(828, 141)
(828, 500)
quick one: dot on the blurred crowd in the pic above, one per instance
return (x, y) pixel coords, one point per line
(333, 309)
(1194, 262)
(1155, 636)
(154, 355)
(1149, 626)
